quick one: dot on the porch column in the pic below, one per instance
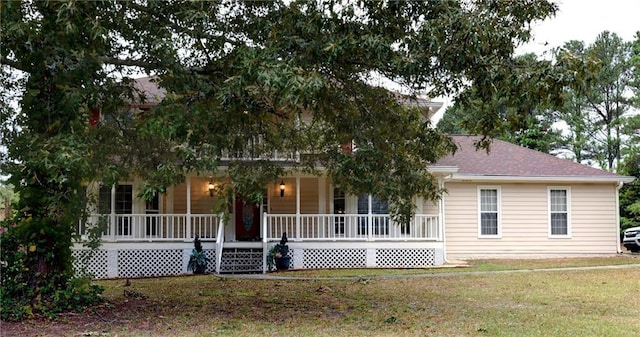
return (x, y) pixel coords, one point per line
(322, 195)
(298, 208)
(441, 213)
(112, 223)
(419, 226)
(188, 219)
(322, 209)
(169, 200)
(370, 221)
(420, 205)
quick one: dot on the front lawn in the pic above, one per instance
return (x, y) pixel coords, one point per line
(540, 303)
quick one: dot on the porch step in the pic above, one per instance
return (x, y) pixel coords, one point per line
(241, 261)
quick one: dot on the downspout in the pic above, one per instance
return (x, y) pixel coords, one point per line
(618, 187)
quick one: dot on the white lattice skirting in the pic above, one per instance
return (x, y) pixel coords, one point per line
(135, 262)
(366, 258)
(131, 261)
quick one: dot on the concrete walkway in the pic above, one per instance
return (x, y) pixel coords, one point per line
(284, 276)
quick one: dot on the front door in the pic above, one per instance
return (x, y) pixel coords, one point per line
(247, 221)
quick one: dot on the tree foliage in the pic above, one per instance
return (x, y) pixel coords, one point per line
(596, 110)
(285, 76)
(520, 106)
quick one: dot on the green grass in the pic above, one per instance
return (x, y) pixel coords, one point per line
(472, 266)
(543, 303)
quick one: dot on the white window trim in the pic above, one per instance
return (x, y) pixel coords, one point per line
(499, 196)
(555, 236)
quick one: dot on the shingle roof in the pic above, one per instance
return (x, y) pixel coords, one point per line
(506, 159)
(148, 86)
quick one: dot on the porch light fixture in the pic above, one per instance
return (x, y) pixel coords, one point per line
(212, 187)
(281, 188)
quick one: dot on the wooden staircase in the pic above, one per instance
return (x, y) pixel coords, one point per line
(241, 261)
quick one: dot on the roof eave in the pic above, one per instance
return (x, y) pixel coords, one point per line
(581, 179)
(445, 170)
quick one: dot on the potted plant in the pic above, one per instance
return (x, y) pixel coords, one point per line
(198, 260)
(278, 255)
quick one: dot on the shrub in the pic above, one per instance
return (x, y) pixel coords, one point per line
(20, 297)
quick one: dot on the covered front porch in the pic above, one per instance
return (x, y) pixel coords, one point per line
(326, 229)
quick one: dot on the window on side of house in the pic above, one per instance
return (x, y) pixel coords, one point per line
(104, 200)
(559, 212)
(489, 212)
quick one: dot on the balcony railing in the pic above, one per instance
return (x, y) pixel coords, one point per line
(350, 227)
(152, 227)
(246, 155)
(255, 149)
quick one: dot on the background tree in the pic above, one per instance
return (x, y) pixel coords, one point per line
(594, 112)
(295, 73)
(635, 69)
(519, 112)
(630, 193)
(577, 136)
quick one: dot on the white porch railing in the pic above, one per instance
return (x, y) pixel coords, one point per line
(300, 227)
(350, 227)
(152, 227)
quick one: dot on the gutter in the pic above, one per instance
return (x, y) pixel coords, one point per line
(578, 179)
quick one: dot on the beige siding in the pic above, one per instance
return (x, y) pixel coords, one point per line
(309, 191)
(180, 199)
(201, 201)
(430, 207)
(524, 215)
(309, 195)
(285, 204)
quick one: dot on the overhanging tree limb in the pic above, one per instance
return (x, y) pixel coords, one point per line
(11, 63)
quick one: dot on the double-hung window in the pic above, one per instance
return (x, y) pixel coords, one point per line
(376, 210)
(489, 212)
(123, 206)
(559, 212)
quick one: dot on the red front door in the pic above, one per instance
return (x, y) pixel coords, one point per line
(247, 221)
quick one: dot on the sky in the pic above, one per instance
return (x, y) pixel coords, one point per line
(579, 20)
(583, 20)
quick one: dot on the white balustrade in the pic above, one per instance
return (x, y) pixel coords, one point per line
(350, 227)
(303, 227)
(151, 227)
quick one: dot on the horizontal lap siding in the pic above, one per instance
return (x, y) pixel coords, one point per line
(201, 200)
(309, 195)
(180, 198)
(309, 192)
(594, 217)
(430, 207)
(524, 214)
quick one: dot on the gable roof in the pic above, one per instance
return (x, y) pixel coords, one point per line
(152, 93)
(506, 161)
(148, 91)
